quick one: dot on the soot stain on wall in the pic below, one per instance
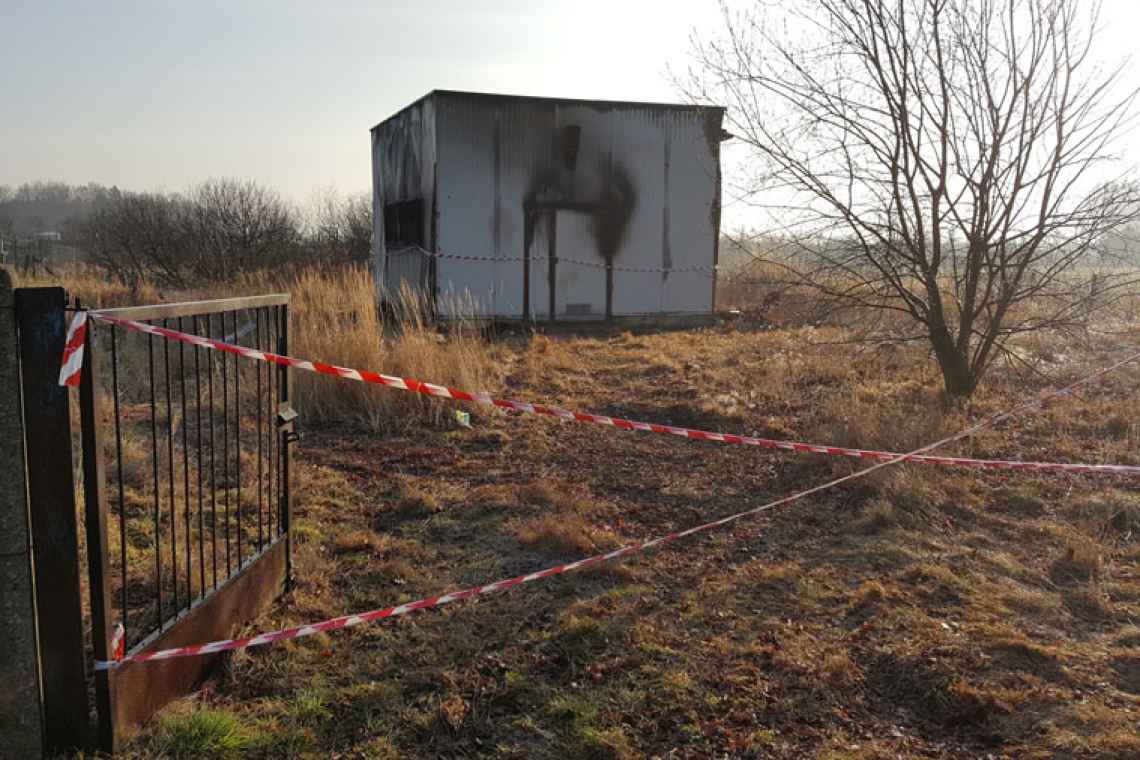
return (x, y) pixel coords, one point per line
(614, 209)
(666, 246)
(610, 212)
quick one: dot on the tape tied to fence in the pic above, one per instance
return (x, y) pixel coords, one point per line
(348, 621)
(73, 365)
(73, 343)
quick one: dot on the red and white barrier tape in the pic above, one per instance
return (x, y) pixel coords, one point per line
(348, 621)
(73, 350)
(118, 642)
(429, 389)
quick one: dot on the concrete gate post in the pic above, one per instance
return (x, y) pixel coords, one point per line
(21, 727)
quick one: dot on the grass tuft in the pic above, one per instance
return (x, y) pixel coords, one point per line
(201, 732)
(310, 708)
(1080, 563)
(881, 515)
(358, 541)
(412, 501)
(558, 535)
(1112, 515)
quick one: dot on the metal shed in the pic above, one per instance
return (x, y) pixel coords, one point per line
(548, 209)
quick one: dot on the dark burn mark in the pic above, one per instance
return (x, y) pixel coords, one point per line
(610, 213)
(613, 210)
(666, 245)
(715, 133)
(714, 124)
(403, 145)
(543, 192)
(497, 223)
(571, 140)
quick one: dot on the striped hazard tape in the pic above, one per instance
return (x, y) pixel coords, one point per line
(409, 384)
(360, 618)
(73, 350)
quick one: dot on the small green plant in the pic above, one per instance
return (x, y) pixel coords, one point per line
(310, 707)
(202, 732)
(574, 710)
(306, 533)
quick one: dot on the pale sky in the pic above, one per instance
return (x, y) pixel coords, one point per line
(157, 95)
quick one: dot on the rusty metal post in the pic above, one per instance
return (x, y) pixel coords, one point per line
(41, 322)
(21, 719)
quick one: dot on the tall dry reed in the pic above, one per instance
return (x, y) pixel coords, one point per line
(336, 320)
(90, 285)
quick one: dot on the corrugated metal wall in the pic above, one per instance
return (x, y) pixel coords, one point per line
(658, 168)
(403, 169)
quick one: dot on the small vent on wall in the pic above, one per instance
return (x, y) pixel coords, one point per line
(578, 309)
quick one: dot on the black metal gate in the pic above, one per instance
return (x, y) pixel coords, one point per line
(185, 493)
(186, 488)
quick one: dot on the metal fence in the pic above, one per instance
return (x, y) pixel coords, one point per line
(186, 479)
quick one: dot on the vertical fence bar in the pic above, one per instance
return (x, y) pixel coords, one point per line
(285, 384)
(213, 442)
(280, 404)
(260, 431)
(171, 477)
(55, 542)
(98, 564)
(185, 469)
(271, 400)
(226, 445)
(157, 486)
(237, 444)
(198, 446)
(119, 474)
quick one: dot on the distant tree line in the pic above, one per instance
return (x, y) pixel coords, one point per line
(47, 207)
(218, 229)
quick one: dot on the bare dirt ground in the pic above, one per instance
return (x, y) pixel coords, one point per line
(922, 612)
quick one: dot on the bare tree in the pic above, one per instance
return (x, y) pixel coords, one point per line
(949, 161)
(220, 229)
(233, 226)
(340, 228)
(138, 237)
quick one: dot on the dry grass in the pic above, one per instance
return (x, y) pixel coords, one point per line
(91, 286)
(335, 320)
(563, 535)
(925, 612)
(1081, 562)
(358, 541)
(920, 613)
(411, 501)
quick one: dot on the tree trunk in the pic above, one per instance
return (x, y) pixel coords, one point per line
(958, 378)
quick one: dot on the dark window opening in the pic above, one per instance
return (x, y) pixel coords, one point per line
(404, 224)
